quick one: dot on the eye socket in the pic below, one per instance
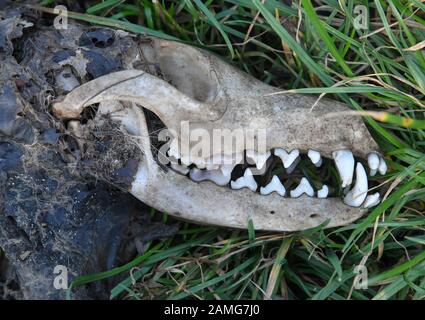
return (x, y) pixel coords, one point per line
(314, 216)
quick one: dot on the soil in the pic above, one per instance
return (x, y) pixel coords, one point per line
(60, 204)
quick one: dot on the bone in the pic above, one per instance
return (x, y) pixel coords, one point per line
(323, 193)
(215, 176)
(315, 157)
(372, 200)
(66, 80)
(382, 169)
(344, 162)
(356, 196)
(259, 158)
(246, 181)
(303, 187)
(274, 186)
(287, 158)
(373, 163)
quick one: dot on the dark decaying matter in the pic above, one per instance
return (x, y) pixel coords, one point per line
(51, 212)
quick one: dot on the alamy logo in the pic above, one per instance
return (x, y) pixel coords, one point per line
(61, 21)
(361, 17)
(361, 279)
(61, 280)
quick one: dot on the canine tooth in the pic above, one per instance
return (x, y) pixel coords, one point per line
(371, 200)
(382, 168)
(179, 168)
(287, 158)
(303, 187)
(215, 176)
(259, 158)
(246, 181)
(315, 157)
(358, 194)
(344, 161)
(274, 186)
(323, 193)
(373, 162)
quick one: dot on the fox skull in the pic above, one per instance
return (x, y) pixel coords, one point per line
(202, 94)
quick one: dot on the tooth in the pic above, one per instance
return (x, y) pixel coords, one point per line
(215, 176)
(315, 157)
(344, 161)
(246, 181)
(371, 200)
(323, 193)
(357, 195)
(274, 186)
(373, 162)
(382, 166)
(303, 187)
(293, 165)
(179, 168)
(259, 158)
(287, 158)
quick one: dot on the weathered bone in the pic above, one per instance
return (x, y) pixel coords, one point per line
(203, 90)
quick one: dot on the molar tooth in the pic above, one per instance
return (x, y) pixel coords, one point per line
(182, 169)
(323, 193)
(303, 187)
(274, 186)
(246, 181)
(344, 162)
(287, 158)
(259, 158)
(371, 200)
(373, 162)
(315, 157)
(358, 194)
(382, 168)
(215, 176)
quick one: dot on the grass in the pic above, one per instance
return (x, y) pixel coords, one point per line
(310, 47)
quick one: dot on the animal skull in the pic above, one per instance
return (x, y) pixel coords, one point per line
(201, 90)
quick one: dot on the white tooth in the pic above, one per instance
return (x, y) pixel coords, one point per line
(293, 165)
(357, 195)
(323, 193)
(344, 161)
(174, 149)
(215, 176)
(371, 200)
(373, 162)
(259, 158)
(274, 186)
(382, 166)
(179, 168)
(246, 181)
(287, 158)
(303, 187)
(315, 157)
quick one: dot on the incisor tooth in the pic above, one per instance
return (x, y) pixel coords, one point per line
(287, 158)
(373, 162)
(274, 186)
(357, 195)
(323, 193)
(344, 162)
(371, 200)
(315, 157)
(382, 168)
(246, 181)
(259, 158)
(215, 176)
(303, 187)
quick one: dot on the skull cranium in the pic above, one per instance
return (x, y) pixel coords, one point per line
(200, 89)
